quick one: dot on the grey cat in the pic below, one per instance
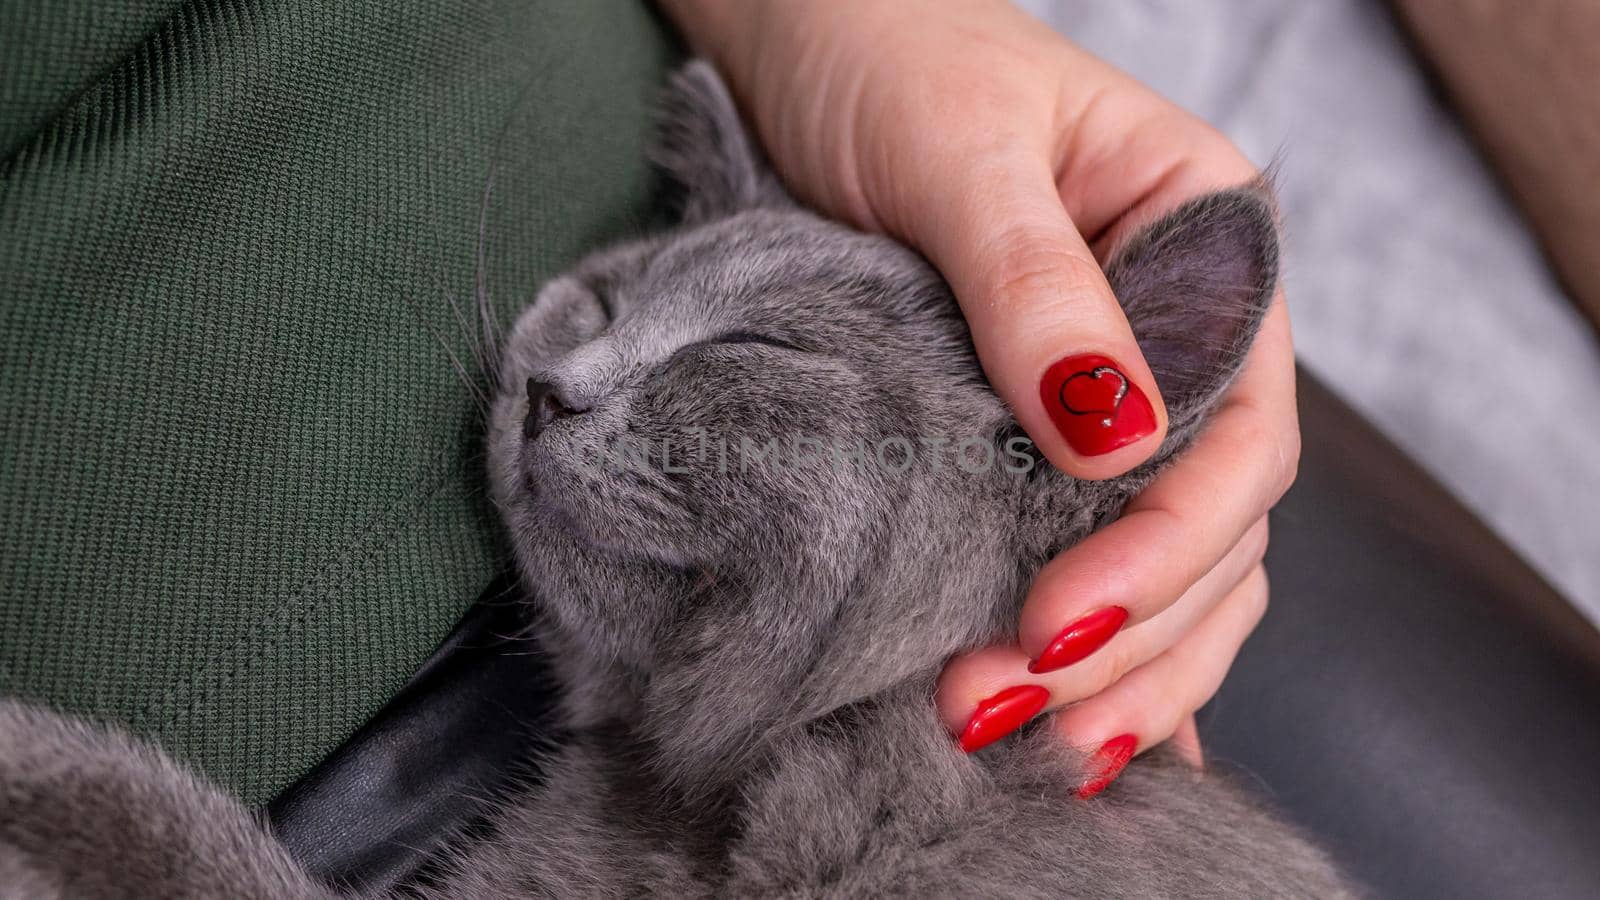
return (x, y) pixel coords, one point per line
(749, 650)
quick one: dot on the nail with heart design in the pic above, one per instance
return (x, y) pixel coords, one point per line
(1107, 763)
(1002, 714)
(1094, 405)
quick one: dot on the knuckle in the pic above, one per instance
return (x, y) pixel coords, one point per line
(1204, 695)
(1155, 706)
(1274, 451)
(1121, 657)
(1227, 164)
(1256, 539)
(1038, 272)
(1256, 594)
(1288, 461)
(1092, 676)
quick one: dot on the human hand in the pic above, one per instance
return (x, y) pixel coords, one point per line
(1014, 161)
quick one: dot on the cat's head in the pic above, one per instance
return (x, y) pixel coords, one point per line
(752, 468)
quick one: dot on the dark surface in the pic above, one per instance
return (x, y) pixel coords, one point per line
(457, 735)
(1417, 697)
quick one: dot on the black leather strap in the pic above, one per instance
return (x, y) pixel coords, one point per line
(1417, 697)
(462, 731)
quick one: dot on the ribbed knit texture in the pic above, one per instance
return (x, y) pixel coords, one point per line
(240, 485)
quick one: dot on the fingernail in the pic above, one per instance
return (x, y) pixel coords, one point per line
(1080, 639)
(1107, 763)
(1002, 714)
(1094, 405)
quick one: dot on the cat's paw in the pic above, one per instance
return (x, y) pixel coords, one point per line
(88, 812)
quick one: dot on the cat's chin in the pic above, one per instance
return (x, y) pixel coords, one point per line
(555, 522)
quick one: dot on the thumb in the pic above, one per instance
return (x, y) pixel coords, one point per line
(1051, 337)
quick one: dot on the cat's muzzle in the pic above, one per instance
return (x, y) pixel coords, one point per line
(545, 405)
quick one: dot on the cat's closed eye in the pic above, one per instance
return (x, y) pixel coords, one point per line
(740, 337)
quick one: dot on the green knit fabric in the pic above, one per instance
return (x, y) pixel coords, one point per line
(240, 488)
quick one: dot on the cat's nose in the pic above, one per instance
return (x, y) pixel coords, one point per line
(545, 405)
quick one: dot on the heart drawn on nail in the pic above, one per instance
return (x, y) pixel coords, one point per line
(1092, 393)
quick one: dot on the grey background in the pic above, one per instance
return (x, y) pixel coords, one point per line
(1415, 289)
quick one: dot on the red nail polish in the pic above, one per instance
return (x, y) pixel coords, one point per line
(1002, 714)
(1080, 639)
(1108, 762)
(1094, 405)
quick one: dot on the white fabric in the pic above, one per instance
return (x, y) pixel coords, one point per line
(1415, 289)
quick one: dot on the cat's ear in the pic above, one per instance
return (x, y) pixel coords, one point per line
(1195, 285)
(714, 163)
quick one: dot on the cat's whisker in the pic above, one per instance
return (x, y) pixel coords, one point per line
(488, 339)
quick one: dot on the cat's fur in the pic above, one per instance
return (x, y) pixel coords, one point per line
(750, 650)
